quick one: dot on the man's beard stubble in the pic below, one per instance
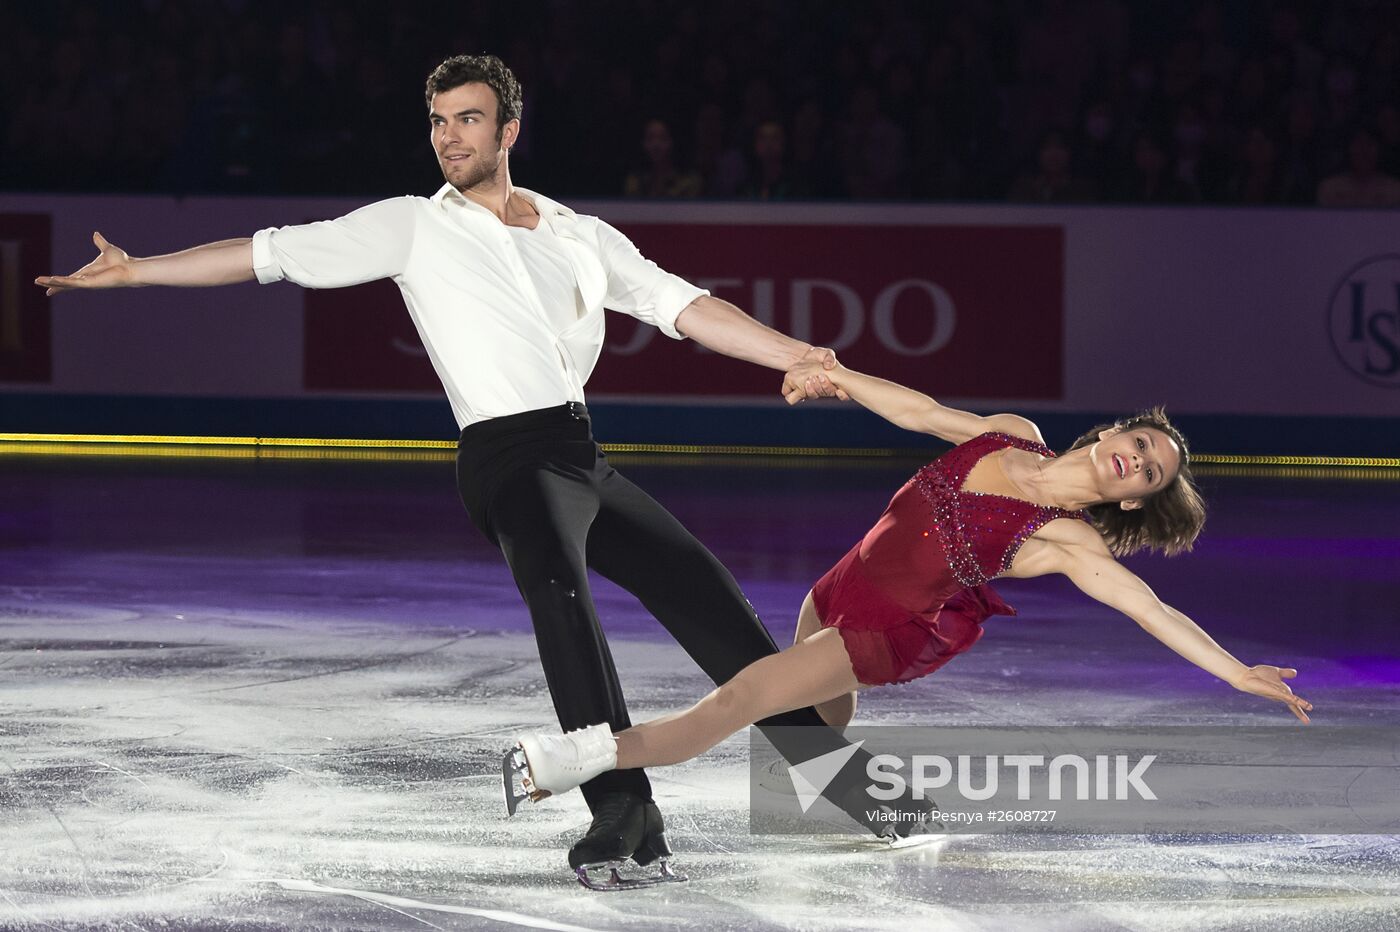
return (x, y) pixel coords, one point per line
(481, 172)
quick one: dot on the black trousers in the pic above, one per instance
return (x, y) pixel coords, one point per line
(541, 489)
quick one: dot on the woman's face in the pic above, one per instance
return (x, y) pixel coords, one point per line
(1132, 464)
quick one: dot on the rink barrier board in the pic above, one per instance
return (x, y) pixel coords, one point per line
(1242, 312)
(815, 425)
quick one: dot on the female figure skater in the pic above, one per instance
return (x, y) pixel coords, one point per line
(913, 592)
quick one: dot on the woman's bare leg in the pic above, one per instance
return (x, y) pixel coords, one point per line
(836, 712)
(811, 671)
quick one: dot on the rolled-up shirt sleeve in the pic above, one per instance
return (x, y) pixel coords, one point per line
(639, 287)
(370, 243)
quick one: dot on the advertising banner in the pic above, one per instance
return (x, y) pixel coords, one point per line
(1211, 311)
(931, 306)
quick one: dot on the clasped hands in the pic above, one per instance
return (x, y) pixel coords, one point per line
(808, 377)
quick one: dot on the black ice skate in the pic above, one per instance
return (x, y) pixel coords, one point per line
(623, 827)
(899, 823)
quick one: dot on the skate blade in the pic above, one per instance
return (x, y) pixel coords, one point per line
(607, 876)
(515, 780)
(926, 840)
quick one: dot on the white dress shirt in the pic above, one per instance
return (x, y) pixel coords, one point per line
(493, 342)
(548, 267)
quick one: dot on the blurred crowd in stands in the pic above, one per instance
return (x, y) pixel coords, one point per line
(1244, 102)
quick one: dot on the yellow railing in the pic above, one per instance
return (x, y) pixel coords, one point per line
(347, 448)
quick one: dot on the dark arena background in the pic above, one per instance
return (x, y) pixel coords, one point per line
(258, 667)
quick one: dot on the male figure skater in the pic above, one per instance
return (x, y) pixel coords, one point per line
(507, 289)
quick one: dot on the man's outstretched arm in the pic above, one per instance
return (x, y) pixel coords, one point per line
(720, 326)
(366, 244)
(223, 263)
(636, 286)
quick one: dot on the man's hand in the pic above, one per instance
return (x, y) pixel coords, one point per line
(111, 269)
(809, 379)
(1264, 680)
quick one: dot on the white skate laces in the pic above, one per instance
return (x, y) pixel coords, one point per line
(545, 765)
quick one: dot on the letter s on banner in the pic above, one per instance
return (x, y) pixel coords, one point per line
(944, 317)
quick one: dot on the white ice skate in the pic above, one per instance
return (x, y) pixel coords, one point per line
(550, 764)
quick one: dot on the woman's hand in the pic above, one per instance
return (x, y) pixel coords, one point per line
(1264, 680)
(111, 269)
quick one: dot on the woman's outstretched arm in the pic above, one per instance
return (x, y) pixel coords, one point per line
(903, 407)
(808, 672)
(1090, 566)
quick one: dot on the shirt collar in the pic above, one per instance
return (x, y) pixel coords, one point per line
(550, 210)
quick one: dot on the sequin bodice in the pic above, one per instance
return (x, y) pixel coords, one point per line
(935, 539)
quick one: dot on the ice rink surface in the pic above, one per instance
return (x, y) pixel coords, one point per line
(262, 693)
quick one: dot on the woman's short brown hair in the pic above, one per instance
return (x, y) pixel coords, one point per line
(1169, 520)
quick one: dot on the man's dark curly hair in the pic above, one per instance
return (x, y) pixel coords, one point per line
(485, 69)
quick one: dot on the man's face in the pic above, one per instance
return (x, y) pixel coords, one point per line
(656, 142)
(768, 142)
(465, 136)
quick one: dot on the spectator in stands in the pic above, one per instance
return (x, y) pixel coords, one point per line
(1151, 180)
(1053, 181)
(1257, 179)
(760, 105)
(901, 93)
(1298, 59)
(1099, 153)
(68, 88)
(953, 127)
(1382, 69)
(1194, 163)
(1054, 55)
(721, 165)
(769, 180)
(1218, 57)
(1363, 184)
(1301, 153)
(874, 152)
(814, 158)
(660, 177)
(618, 119)
(1253, 98)
(228, 95)
(1387, 123)
(1141, 101)
(1182, 69)
(1341, 96)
